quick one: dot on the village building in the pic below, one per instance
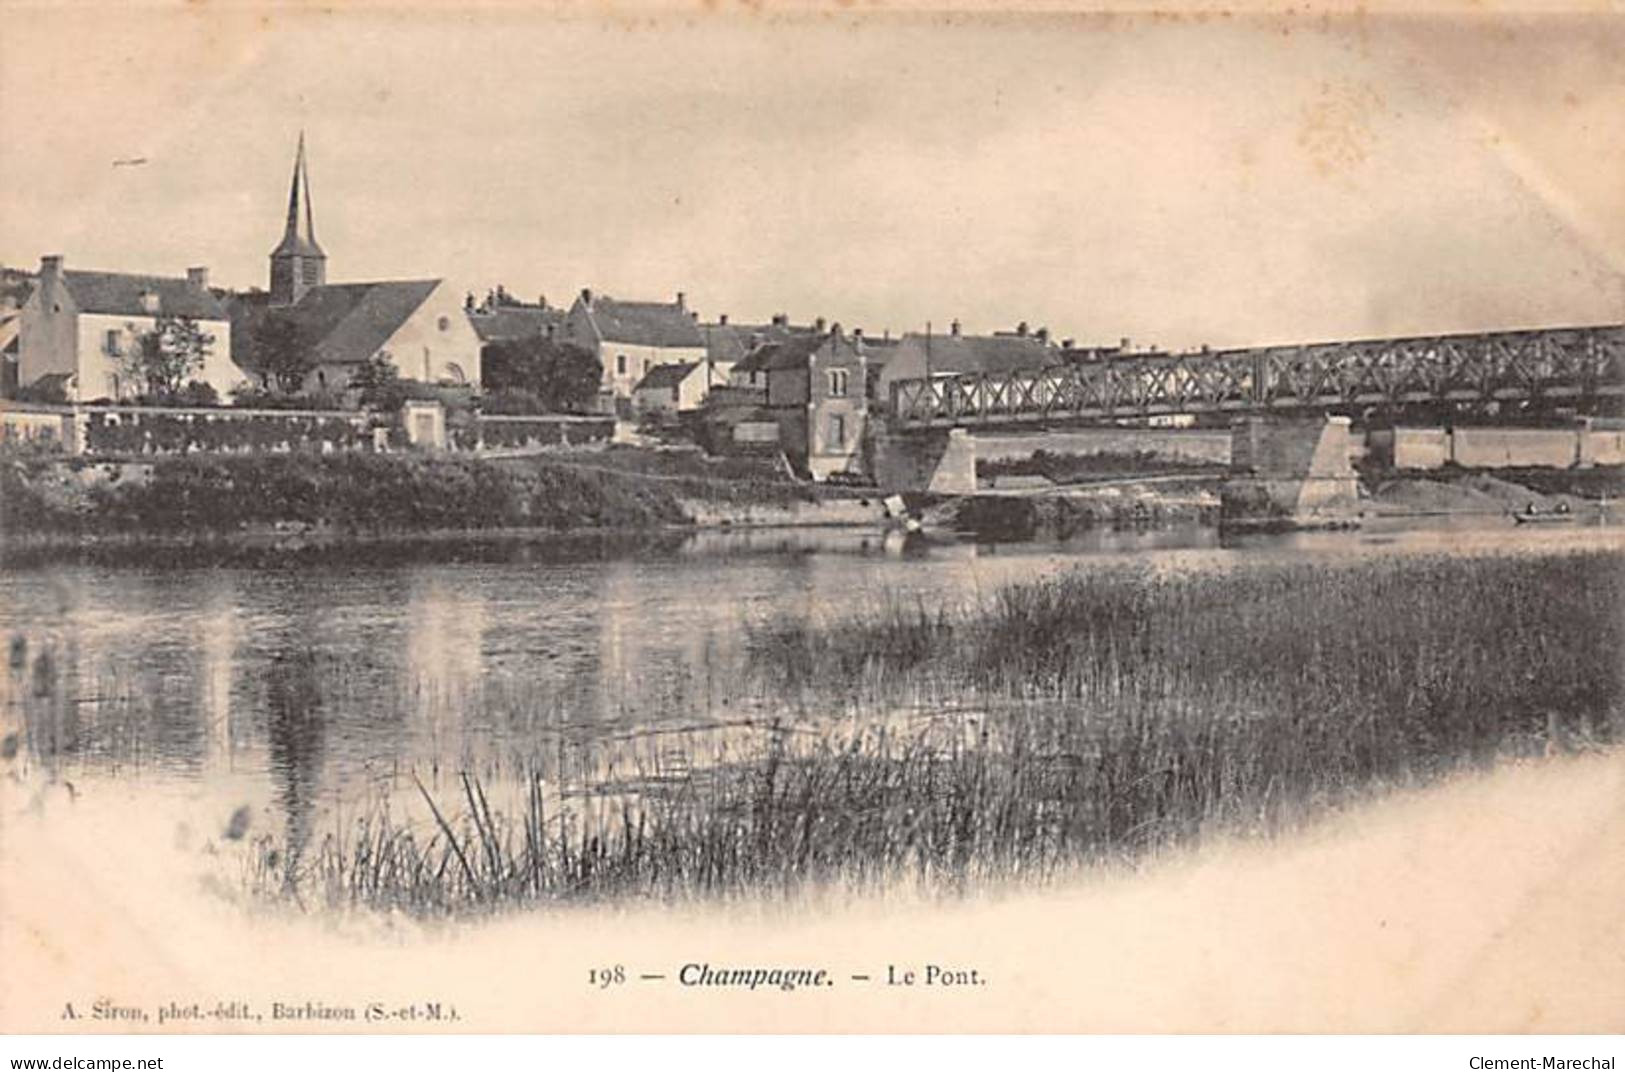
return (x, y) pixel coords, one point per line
(511, 321)
(78, 328)
(420, 325)
(631, 339)
(680, 388)
(918, 356)
(815, 391)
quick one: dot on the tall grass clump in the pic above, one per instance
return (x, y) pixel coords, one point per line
(1092, 717)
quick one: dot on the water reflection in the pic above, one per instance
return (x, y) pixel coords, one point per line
(313, 675)
(295, 734)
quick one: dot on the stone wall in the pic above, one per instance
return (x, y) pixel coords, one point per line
(1589, 441)
(1190, 445)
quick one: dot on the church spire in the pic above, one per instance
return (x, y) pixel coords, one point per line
(297, 263)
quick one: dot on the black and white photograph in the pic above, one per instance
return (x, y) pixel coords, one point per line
(740, 519)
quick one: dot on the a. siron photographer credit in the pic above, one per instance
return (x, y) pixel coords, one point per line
(821, 519)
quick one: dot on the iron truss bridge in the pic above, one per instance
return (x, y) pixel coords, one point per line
(1581, 367)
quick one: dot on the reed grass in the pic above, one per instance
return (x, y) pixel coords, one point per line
(1097, 716)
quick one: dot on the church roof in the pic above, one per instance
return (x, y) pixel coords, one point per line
(120, 294)
(346, 323)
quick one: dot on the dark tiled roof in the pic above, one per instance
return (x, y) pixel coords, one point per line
(735, 342)
(665, 377)
(347, 322)
(791, 353)
(982, 353)
(120, 294)
(644, 323)
(504, 322)
(353, 320)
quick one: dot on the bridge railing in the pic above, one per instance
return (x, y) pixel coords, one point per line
(1568, 365)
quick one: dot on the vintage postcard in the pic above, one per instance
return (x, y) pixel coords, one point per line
(858, 519)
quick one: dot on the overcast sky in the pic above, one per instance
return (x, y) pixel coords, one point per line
(1222, 180)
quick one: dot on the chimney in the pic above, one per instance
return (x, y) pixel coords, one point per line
(682, 301)
(722, 320)
(953, 329)
(1068, 344)
(818, 325)
(1043, 335)
(835, 329)
(857, 333)
(198, 277)
(1125, 344)
(50, 277)
(586, 297)
(1021, 329)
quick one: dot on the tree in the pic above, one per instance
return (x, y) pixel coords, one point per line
(166, 358)
(280, 352)
(562, 377)
(379, 383)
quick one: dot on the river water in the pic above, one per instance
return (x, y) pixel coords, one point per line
(282, 685)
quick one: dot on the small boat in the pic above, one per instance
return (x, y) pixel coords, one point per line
(1531, 516)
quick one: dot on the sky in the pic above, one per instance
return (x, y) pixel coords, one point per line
(1174, 180)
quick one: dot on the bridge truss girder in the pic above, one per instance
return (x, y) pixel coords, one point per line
(1583, 368)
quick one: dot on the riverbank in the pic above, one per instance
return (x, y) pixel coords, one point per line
(273, 497)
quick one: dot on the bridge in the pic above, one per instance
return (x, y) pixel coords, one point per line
(1577, 367)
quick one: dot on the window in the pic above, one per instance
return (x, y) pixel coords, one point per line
(455, 373)
(647, 364)
(149, 301)
(675, 397)
(837, 383)
(111, 345)
(620, 364)
(837, 431)
(312, 271)
(445, 323)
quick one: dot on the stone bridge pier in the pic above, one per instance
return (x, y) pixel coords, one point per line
(1290, 473)
(939, 461)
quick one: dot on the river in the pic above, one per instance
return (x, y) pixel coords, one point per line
(290, 685)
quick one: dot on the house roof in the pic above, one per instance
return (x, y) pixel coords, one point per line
(665, 377)
(346, 322)
(982, 353)
(501, 323)
(792, 352)
(120, 293)
(643, 323)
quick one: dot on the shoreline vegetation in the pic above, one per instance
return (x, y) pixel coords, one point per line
(1095, 717)
(296, 501)
(373, 495)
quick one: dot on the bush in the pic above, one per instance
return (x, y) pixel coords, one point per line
(358, 492)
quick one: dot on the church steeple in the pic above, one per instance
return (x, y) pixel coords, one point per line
(297, 263)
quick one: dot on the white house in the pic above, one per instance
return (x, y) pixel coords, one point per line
(679, 388)
(631, 339)
(80, 326)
